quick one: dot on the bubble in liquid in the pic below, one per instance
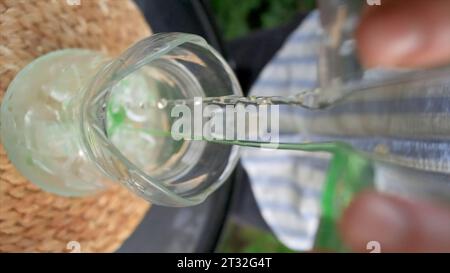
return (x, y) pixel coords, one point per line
(162, 103)
(262, 101)
(198, 102)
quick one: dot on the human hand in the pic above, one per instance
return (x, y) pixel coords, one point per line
(401, 33)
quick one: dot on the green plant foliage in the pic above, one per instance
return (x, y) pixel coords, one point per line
(238, 17)
(239, 239)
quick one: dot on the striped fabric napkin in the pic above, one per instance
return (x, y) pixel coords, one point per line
(288, 184)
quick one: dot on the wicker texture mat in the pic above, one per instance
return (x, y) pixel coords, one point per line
(32, 220)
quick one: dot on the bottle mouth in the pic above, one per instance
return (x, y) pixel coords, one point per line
(157, 189)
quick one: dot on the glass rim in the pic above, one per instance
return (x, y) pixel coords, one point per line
(157, 45)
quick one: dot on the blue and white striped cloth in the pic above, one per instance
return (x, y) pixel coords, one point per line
(287, 184)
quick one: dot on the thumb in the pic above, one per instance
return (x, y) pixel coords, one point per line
(399, 225)
(405, 33)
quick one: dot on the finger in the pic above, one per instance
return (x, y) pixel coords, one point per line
(399, 225)
(405, 33)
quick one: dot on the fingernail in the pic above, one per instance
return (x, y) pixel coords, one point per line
(401, 46)
(374, 217)
(387, 38)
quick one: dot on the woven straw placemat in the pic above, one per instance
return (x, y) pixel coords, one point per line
(32, 220)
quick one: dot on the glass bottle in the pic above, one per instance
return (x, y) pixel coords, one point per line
(74, 121)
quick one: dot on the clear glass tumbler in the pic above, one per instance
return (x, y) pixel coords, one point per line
(73, 121)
